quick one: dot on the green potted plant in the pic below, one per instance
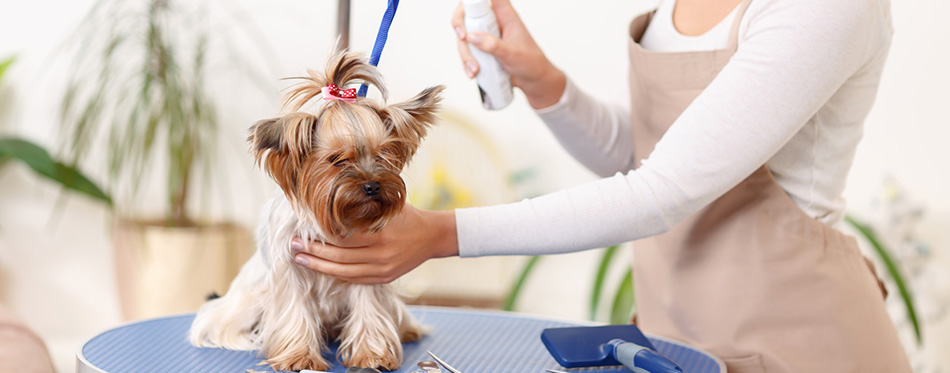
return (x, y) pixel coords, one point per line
(39, 160)
(138, 106)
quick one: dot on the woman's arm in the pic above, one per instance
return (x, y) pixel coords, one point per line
(596, 134)
(791, 60)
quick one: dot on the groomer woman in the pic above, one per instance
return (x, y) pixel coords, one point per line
(728, 171)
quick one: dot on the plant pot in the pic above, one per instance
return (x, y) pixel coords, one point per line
(165, 270)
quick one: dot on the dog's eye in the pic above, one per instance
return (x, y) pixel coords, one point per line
(337, 160)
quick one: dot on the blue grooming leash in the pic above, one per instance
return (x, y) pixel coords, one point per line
(380, 39)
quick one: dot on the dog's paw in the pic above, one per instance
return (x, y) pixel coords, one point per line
(299, 362)
(411, 334)
(364, 358)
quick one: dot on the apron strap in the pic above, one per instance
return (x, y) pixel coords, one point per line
(734, 32)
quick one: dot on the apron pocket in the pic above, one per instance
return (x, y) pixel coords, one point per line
(745, 364)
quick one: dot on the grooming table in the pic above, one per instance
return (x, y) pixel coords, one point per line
(471, 341)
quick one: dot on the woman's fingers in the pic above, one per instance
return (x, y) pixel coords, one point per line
(458, 25)
(408, 240)
(488, 43)
(345, 255)
(364, 273)
(504, 12)
(458, 18)
(468, 61)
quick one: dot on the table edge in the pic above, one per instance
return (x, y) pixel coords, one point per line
(84, 366)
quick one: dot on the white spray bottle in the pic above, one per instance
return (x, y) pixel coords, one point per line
(494, 83)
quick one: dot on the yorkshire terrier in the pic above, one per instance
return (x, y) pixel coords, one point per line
(339, 171)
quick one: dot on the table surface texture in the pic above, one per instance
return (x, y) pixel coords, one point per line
(469, 340)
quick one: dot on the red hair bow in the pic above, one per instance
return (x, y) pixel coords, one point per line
(332, 92)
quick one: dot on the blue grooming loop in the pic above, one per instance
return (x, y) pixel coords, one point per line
(471, 341)
(381, 39)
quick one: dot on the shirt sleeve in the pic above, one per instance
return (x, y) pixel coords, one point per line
(792, 57)
(596, 134)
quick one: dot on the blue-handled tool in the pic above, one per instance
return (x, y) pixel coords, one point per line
(641, 359)
(606, 345)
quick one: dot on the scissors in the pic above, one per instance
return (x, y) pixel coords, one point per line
(443, 364)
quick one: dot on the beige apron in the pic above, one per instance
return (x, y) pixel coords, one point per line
(750, 277)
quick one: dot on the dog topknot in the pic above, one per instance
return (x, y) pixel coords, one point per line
(343, 68)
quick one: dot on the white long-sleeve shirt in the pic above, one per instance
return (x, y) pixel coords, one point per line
(794, 96)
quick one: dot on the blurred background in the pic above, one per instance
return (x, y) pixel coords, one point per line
(151, 101)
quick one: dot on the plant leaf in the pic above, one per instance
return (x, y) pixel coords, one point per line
(4, 65)
(40, 161)
(892, 269)
(509, 304)
(599, 279)
(622, 309)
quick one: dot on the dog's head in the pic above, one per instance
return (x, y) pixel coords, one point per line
(340, 166)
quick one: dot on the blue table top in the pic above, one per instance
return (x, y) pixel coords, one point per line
(471, 341)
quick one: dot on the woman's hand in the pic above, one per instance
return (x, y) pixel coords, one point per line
(541, 82)
(411, 238)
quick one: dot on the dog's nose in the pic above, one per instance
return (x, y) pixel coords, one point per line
(371, 188)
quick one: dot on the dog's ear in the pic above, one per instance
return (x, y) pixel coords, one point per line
(265, 135)
(290, 134)
(280, 145)
(408, 121)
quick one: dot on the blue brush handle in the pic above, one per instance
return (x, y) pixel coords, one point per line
(641, 359)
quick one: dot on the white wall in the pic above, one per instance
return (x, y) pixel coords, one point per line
(56, 268)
